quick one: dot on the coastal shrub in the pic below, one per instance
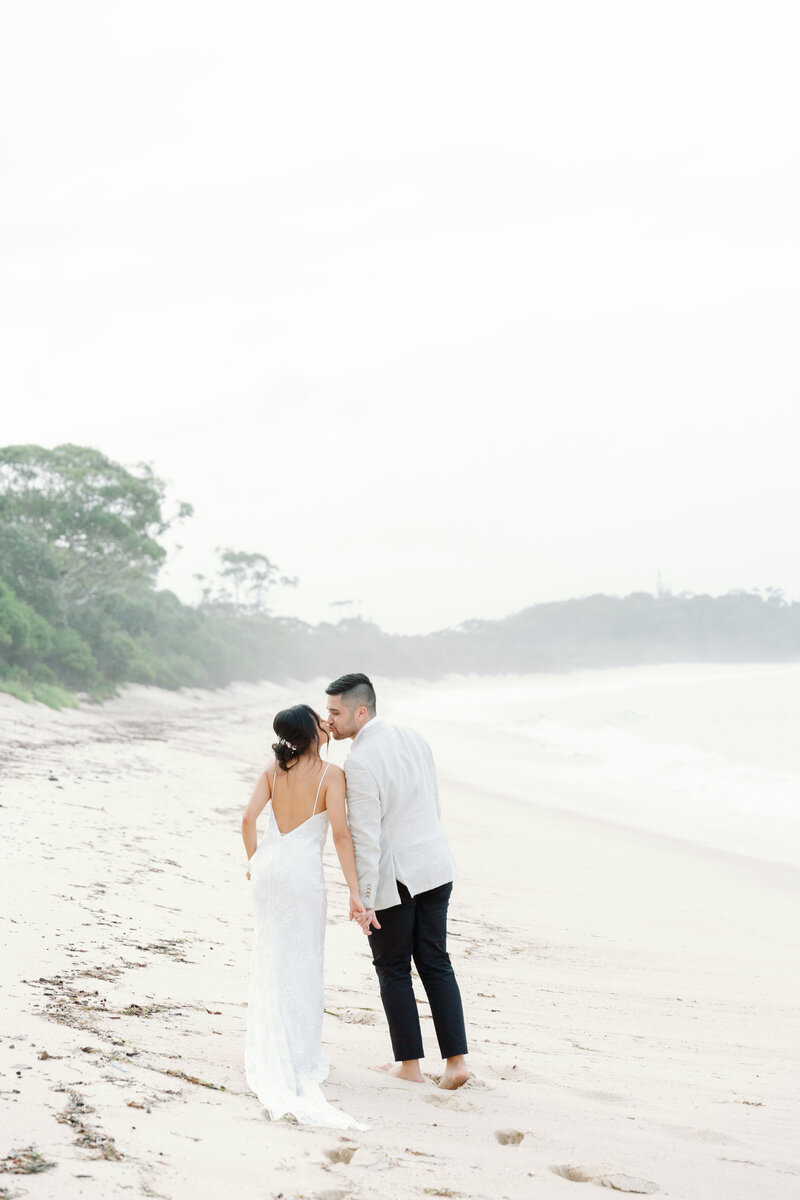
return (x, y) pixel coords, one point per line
(143, 668)
(72, 660)
(53, 696)
(114, 653)
(13, 687)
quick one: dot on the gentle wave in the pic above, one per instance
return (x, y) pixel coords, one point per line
(707, 754)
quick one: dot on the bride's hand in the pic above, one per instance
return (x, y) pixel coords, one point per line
(357, 909)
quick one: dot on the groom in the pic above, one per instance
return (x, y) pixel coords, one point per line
(405, 872)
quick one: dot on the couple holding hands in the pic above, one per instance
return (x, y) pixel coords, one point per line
(384, 811)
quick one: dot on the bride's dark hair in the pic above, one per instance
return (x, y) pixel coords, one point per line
(297, 729)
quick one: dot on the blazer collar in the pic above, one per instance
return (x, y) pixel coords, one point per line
(366, 731)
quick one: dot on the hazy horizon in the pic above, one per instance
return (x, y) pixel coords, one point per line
(448, 310)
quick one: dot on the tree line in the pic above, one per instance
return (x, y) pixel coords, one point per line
(81, 612)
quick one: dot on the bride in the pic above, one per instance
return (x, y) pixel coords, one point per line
(284, 1062)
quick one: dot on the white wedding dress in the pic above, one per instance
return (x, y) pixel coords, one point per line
(284, 1062)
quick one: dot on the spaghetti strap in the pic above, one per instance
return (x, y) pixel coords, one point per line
(324, 773)
(274, 781)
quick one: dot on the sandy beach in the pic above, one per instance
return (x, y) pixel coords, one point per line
(631, 996)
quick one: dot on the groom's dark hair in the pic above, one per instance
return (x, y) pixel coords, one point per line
(355, 690)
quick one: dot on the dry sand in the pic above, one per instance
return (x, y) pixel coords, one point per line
(631, 1001)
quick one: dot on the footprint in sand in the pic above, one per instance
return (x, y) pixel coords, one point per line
(341, 1154)
(604, 1177)
(509, 1137)
(449, 1100)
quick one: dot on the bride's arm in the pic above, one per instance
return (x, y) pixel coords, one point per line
(334, 799)
(258, 802)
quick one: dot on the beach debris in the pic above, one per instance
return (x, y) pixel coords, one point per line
(88, 1138)
(107, 974)
(509, 1137)
(25, 1162)
(603, 1177)
(341, 1154)
(434, 1191)
(217, 1087)
(43, 1054)
(147, 1190)
(169, 946)
(354, 1016)
(148, 1010)
(70, 1005)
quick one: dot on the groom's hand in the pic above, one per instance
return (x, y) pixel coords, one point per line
(369, 920)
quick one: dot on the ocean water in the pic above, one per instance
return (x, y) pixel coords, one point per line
(710, 754)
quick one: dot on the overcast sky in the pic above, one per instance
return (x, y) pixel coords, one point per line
(449, 308)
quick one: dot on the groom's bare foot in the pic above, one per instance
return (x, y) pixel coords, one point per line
(456, 1073)
(405, 1070)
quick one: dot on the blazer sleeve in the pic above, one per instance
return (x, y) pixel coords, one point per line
(364, 819)
(434, 780)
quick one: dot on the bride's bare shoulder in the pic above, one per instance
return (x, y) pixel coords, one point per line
(269, 770)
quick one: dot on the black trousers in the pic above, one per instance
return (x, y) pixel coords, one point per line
(417, 928)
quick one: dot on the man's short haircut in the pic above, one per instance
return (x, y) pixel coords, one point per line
(355, 690)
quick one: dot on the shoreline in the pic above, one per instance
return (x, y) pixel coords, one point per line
(767, 870)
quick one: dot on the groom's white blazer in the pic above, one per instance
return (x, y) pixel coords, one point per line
(393, 810)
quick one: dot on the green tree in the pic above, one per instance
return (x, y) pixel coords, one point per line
(24, 635)
(75, 525)
(247, 579)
